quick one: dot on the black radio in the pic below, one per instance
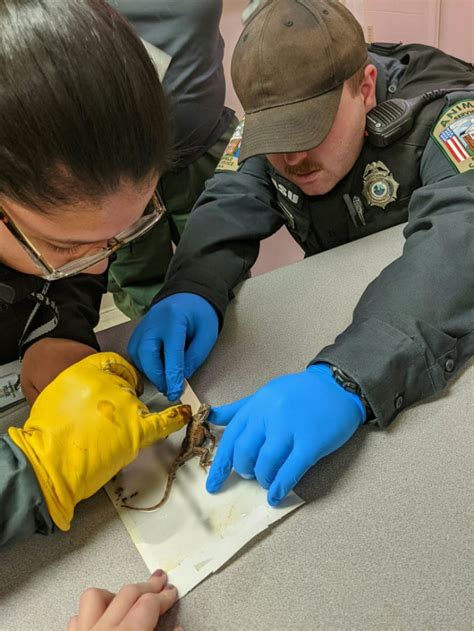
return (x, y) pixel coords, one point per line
(390, 120)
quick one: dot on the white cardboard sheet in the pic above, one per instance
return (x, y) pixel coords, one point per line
(194, 533)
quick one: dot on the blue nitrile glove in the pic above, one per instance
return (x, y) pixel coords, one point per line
(281, 431)
(173, 340)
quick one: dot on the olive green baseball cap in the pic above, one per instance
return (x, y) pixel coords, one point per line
(288, 70)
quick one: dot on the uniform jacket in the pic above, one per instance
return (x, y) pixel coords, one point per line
(413, 327)
(188, 31)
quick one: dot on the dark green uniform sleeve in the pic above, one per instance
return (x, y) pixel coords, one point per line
(413, 327)
(222, 237)
(23, 511)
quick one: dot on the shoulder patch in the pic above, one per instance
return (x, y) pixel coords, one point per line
(230, 157)
(454, 133)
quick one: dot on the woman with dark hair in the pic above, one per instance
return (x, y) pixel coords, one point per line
(84, 138)
(83, 142)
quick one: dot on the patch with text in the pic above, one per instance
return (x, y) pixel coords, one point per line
(454, 133)
(230, 157)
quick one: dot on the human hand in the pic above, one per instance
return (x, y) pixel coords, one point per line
(136, 607)
(85, 426)
(173, 340)
(45, 359)
(278, 433)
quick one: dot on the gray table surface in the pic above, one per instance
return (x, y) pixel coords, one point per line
(385, 538)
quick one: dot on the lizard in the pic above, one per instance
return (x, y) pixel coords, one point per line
(199, 441)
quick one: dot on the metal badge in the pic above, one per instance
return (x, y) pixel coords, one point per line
(380, 187)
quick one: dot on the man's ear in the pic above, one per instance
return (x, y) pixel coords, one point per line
(367, 87)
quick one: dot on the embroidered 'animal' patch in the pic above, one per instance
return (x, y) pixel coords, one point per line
(454, 133)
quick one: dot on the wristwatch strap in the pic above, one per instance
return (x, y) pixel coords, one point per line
(352, 386)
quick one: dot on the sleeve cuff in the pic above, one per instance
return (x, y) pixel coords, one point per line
(24, 510)
(388, 365)
(204, 284)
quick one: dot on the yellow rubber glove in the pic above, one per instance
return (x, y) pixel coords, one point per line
(85, 426)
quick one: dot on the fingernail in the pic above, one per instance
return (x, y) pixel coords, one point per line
(158, 573)
(247, 476)
(169, 586)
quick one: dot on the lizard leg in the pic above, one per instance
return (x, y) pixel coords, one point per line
(211, 438)
(204, 456)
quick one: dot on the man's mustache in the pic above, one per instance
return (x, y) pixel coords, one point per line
(306, 166)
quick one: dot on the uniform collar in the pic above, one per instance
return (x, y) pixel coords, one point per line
(14, 286)
(389, 73)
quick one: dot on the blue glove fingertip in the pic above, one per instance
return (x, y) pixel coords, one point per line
(223, 414)
(265, 484)
(273, 500)
(158, 382)
(174, 391)
(212, 488)
(217, 477)
(212, 485)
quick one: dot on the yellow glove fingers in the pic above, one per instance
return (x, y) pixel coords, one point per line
(85, 426)
(158, 425)
(117, 365)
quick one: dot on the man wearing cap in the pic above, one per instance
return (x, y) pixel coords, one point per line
(336, 145)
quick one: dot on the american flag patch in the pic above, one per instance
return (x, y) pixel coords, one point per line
(454, 135)
(454, 145)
